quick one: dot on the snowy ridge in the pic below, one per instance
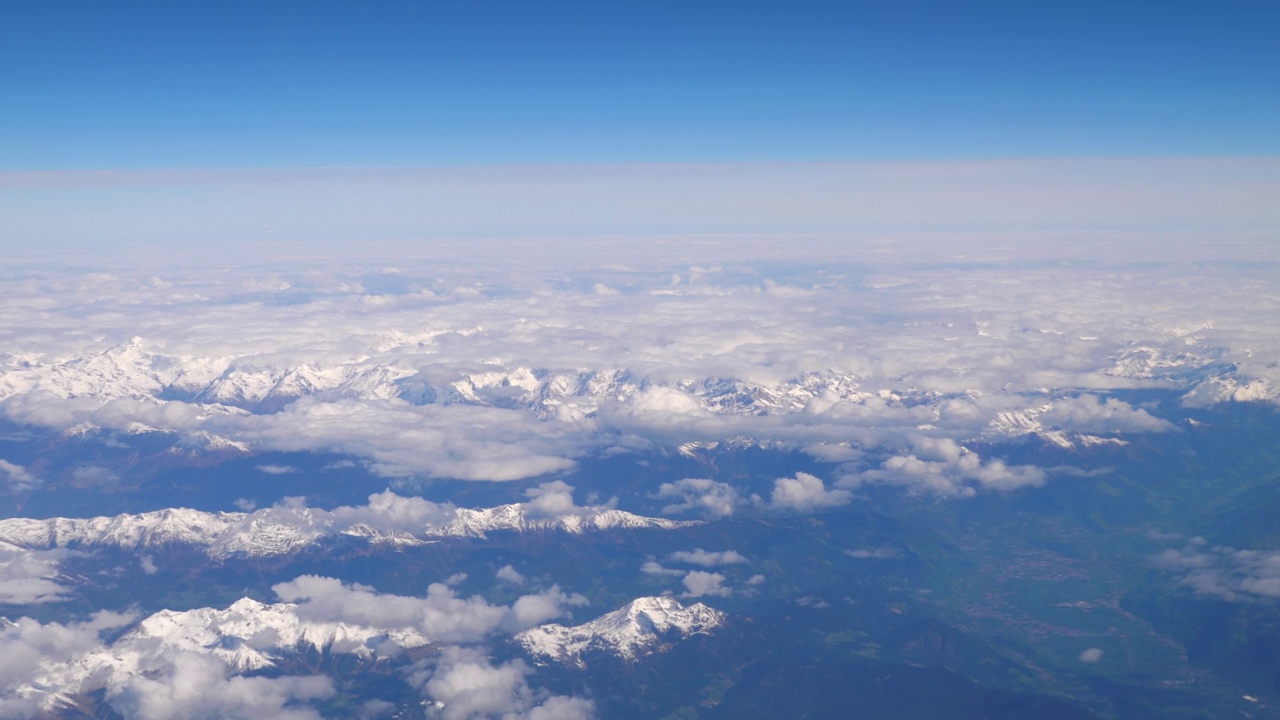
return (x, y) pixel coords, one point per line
(250, 635)
(1220, 389)
(1148, 362)
(263, 533)
(287, 529)
(1027, 422)
(518, 518)
(247, 636)
(639, 628)
(130, 371)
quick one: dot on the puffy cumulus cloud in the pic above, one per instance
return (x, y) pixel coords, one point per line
(1224, 572)
(806, 493)
(389, 511)
(194, 685)
(29, 577)
(715, 499)
(1093, 414)
(532, 610)
(550, 500)
(706, 558)
(699, 583)
(441, 615)
(509, 574)
(462, 684)
(1091, 655)
(17, 477)
(667, 413)
(708, 497)
(941, 466)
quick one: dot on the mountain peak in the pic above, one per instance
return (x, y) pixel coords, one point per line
(641, 627)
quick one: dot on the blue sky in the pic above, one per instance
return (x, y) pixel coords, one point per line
(183, 123)
(135, 85)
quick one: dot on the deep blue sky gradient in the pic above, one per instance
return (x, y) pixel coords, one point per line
(273, 84)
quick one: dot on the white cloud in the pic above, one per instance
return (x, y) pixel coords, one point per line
(442, 615)
(706, 558)
(946, 468)
(1224, 572)
(652, 567)
(29, 577)
(531, 610)
(27, 645)
(699, 583)
(463, 684)
(18, 477)
(550, 500)
(508, 574)
(389, 511)
(273, 469)
(151, 672)
(461, 441)
(709, 497)
(806, 493)
(1092, 414)
(194, 685)
(370, 709)
(1091, 655)
(522, 377)
(94, 475)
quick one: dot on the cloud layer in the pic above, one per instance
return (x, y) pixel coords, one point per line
(191, 664)
(474, 371)
(1224, 572)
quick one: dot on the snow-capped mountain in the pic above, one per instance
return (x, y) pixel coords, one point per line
(517, 517)
(251, 636)
(1018, 423)
(245, 637)
(219, 406)
(287, 529)
(130, 371)
(263, 533)
(1150, 362)
(639, 628)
